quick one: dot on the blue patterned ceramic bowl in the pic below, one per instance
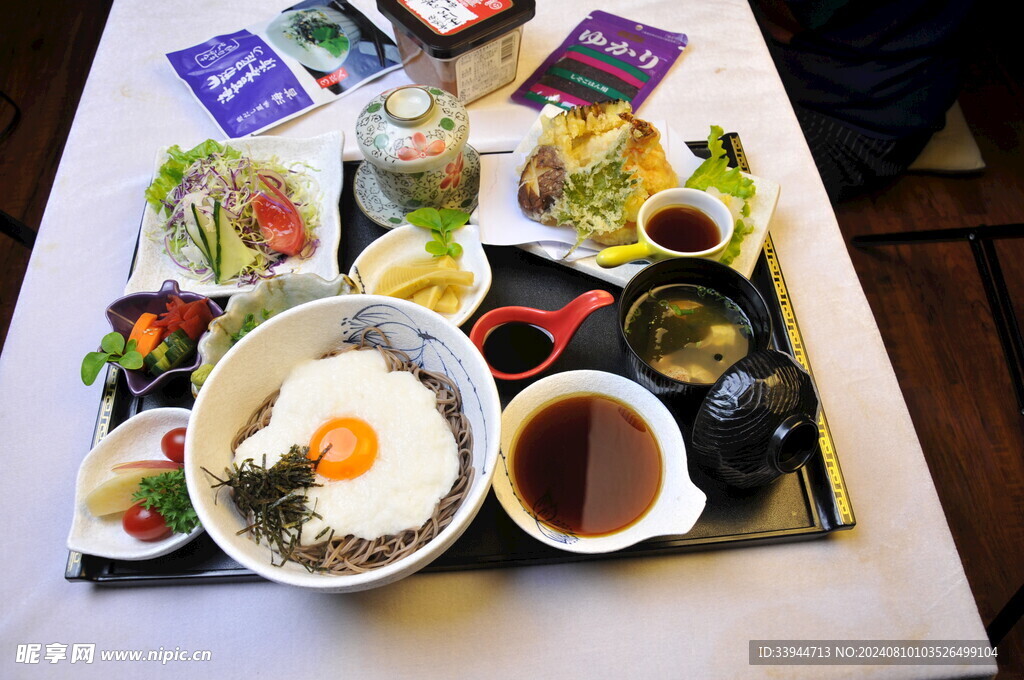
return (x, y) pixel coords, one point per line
(256, 367)
(676, 506)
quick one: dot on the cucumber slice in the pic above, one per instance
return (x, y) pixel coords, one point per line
(175, 349)
(232, 254)
(197, 233)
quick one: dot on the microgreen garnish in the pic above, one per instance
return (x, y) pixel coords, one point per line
(248, 324)
(272, 499)
(168, 495)
(115, 351)
(441, 224)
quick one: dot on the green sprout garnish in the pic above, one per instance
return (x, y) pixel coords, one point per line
(441, 224)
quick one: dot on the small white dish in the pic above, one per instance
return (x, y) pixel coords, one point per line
(406, 244)
(270, 297)
(679, 502)
(320, 156)
(137, 438)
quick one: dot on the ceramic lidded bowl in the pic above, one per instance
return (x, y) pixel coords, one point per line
(257, 366)
(758, 421)
(716, 279)
(414, 138)
(678, 502)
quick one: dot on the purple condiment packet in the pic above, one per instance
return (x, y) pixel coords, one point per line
(605, 57)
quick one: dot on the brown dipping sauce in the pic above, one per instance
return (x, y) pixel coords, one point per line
(683, 228)
(586, 464)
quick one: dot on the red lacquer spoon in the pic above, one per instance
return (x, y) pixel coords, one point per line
(520, 342)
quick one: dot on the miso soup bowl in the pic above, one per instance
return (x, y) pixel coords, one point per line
(696, 272)
(678, 503)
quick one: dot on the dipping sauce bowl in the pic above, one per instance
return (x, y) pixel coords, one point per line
(524, 341)
(703, 228)
(550, 509)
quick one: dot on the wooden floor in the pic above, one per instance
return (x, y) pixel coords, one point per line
(928, 299)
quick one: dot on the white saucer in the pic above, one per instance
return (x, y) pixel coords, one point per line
(137, 438)
(375, 204)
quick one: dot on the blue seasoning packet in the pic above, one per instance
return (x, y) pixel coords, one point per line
(308, 55)
(604, 58)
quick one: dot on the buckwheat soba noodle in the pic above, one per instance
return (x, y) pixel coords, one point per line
(350, 554)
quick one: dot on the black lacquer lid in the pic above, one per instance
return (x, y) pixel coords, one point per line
(758, 421)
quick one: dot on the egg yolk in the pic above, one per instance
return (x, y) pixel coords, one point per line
(352, 448)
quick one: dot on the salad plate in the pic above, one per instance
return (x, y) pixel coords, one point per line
(319, 158)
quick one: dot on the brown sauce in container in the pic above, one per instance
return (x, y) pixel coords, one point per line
(586, 464)
(683, 228)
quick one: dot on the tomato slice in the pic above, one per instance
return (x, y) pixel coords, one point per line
(145, 525)
(280, 222)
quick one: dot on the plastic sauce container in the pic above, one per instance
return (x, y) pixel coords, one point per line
(467, 47)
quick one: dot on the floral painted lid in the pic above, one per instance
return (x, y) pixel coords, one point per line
(412, 129)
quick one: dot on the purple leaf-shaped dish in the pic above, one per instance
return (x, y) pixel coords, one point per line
(122, 314)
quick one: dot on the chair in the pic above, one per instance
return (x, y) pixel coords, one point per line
(17, 230)
(952, 150)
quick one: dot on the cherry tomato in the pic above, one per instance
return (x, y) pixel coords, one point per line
(280, 223)
(145, 525)
(173, 445)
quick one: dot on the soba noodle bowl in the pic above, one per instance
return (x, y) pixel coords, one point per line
(352, 553)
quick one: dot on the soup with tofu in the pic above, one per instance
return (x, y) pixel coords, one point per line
(688, 333)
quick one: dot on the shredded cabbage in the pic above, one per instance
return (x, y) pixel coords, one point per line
(222, 174)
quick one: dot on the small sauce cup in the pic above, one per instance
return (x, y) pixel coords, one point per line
(558, 326)
(646, 248)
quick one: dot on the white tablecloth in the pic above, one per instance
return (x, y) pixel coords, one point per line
(895, 576)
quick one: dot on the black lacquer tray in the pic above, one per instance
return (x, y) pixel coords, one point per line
(810, 503)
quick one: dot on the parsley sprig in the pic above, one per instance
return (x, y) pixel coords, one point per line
(168, 495)
(441, 224)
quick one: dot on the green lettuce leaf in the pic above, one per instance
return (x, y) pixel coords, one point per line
(173, 170)
(715, 171)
